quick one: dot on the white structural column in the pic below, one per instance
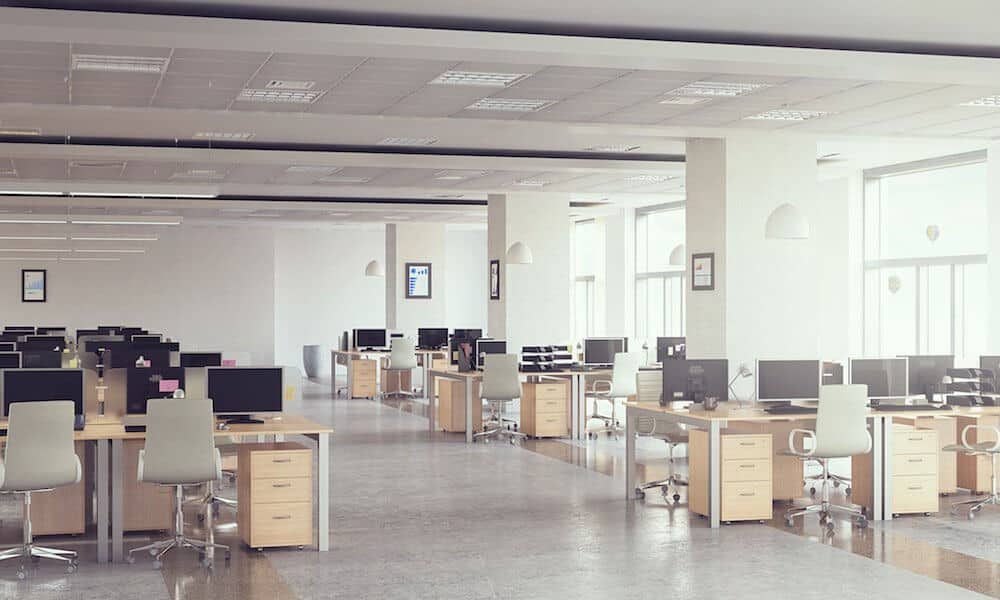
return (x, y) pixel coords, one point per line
(766, 298)
(619, 271)
(534, 299)
(419, 243)
(993, 258)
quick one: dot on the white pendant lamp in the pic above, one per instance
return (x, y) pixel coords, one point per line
(519, 254)
(374, 269)
(787, 223)
(678, 256)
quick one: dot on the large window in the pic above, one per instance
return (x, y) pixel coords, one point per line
(585, 269)
(659, 281)
(925, 284)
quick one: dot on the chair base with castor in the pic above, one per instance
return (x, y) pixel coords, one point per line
(825, 508)
(399, 392)
(609, 424)
(976, 504)
(837, 481)
(159, 549)
(669, 487)
(495, 428)
(29, 552)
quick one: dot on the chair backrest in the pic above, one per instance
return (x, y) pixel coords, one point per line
(623, 375)
(841, 421)
(402, 354)
(40, 452)
(180, 445)
(501, 380)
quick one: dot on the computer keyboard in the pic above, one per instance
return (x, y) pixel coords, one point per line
(909, 407)
(790, 410)
(135, 428)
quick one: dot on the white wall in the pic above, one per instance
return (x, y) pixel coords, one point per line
(320, 289)
(210, 287)
(465, 286)
(416, 242)
(833, 262)
(619, 301)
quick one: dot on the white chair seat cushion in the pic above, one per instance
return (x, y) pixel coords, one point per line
(142, 456)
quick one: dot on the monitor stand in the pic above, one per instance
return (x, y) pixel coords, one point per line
(243, 420)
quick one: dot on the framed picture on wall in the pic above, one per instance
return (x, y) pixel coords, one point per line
(418, 280)
(495, 279)
(703, 271)
(33, 285)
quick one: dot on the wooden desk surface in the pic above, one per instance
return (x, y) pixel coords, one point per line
(751, 413)
(451, 372)
(114, 429)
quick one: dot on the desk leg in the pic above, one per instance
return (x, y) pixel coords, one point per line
(468, 410)
(425, 368)
(631, 420)
(117, 500)
(431, 401)
(102, 500)
(885, 473)
(333, 373)
(574, 407)
(715, 473)
(324, 492)
(349, 363)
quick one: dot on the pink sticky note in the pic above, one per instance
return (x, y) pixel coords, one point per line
(169, 385)
(229, 362)
(147, 363)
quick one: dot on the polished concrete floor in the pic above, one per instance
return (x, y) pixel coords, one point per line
(416, 515)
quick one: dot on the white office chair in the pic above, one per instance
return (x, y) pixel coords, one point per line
(991, 449)
(841, 432)
(622, 385)
(674, 435)
(180, 451)
(39, 457)
(501, 384)
(402, 357)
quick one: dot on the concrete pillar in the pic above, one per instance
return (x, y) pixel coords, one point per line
(534, 299)
(993, 256)
(415, 242)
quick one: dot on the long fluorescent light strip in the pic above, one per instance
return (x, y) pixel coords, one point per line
(112, 239)
(510, 104)
(110, 250)
(787, 115)
(46, 250)
(28, 193)
(723, 89)
(140, 195)
(119, 64)
(279, 96)
(985, 101)
(37, 238)
(479, 78)
(27, 259)
(150, 223)
(89, 259)
(33, 221)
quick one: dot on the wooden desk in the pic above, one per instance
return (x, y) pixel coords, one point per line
(345, 359)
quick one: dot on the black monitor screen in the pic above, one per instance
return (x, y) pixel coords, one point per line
(885, 377)
(601, 351)
(370, 338)
(8, 337)
(143, 384)
(21, 329)
(238, 390)
(125, 355)
(51, 331)
(991, 364)
(25, 385)
(927, 373)
(488, 347)
(82, 332)
(43, 342)
(8, 346)
(833, 373)
(41, 359)
(670, 348)
(201, 359)
(108, 329)
(432, 339)
(10, 360)
(694, 380)
(468, 334)
(788, 380)
(145, 338)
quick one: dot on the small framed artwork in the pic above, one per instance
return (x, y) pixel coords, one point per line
(418, 280)
(33, 285)
(495, 279)
(703, 271)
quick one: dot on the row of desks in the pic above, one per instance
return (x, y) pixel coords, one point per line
(714, 422)
(109, 435)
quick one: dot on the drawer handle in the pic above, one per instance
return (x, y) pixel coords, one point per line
(916, 439)
(281, 517)
(281, 485)
(747, 466)
(281, 460)
(915, 460)
(913, 488)
(748, 494)
(748, 443)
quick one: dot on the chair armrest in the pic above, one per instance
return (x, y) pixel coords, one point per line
(869, 434)
(965, 437)
(142, 457)
(594, 390)
(218, 465)
(805, 433)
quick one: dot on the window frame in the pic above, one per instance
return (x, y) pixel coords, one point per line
(646, 277)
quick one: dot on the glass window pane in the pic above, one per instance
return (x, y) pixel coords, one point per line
(584, 242)
(641, 243)
(974, 308)
(935, 308)
(898, 311)
(640, 309)
(665, 232)
(581, 310)
(872, 314)
(656, 309)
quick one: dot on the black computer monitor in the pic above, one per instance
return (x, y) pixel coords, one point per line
(927, 373)
(51, 331)
(8, 346)
(8, 337)
(833, 373)
(145, 338)
(43, 342)
(885, 377)
(371, 338)
(990, 363)
(468, 334)
(201, 359)
(37, 385)
(601, 351)
(108, 329)
(20, 329)
(243, 391)
(143, 384)
(91, 332)
(486, 346)
(432, 338)
(688, 380)
(10, 360)
(125, 355)
(41, 359)
(670, 348)
(787, 380)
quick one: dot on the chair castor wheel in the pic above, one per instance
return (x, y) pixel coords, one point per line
(789, 522)
(640, 493)
(157, 564)
(847, 490)
(21, 573)
(130, 559)
(836, 483)
(677, 497)
(862, 523)
(71, 568)
(812, 491)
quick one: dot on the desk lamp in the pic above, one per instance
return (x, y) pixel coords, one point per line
(742, 373)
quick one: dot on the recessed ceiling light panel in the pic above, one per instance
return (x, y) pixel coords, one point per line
(457, 175)
(613, 148)
(510, 104)
(716, 89)
(317, 170)
(238, 136)
(985, 101)
(406, 141)
(341, 179)
(289, 84)
(279, 96)
(119, 64)
(787, 115)
(20, 131)
(684, 100)
(649, 178)
(480, 78)
(531, 183)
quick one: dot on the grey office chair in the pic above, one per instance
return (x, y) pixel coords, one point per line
(402, 357)
(991, 449)
(622, 385)
(501, 384)
(39, 457)
(674, 435)
(180, 451)
(841, 432)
